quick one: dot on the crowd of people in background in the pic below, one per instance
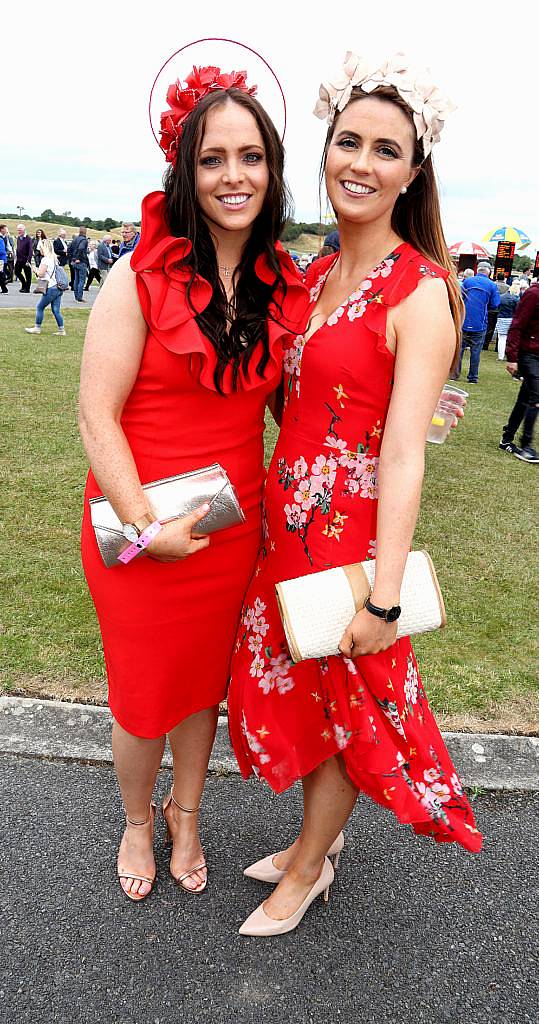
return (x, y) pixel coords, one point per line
(494, 309)
(86, 259)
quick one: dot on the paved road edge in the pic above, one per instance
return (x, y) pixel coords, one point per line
(62, 731)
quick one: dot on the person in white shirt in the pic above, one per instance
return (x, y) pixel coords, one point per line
(53, 295)
(94, 274)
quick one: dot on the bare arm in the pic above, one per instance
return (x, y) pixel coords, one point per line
(425, 345)
(113, 349)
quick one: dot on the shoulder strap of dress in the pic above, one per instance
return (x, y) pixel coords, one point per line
(410, 267)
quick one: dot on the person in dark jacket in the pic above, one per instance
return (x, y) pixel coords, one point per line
(3, 265)
(23, 259)
(104, 257)
(60, 247)
(130, 238)
(69, 253)
(9, 243)
(36, 251)
(80, 263)
(522, 353)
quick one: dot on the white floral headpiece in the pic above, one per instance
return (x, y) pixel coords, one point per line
(430, 107)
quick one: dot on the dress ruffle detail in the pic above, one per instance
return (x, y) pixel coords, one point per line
(162, 281)
(408, 266)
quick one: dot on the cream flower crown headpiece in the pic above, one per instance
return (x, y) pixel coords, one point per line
(415, 86)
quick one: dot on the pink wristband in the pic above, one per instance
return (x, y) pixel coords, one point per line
(146, 536)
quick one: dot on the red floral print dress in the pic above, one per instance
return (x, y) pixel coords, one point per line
(321, 510)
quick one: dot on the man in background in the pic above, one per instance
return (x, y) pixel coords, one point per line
(130, 238)
(522, 353)
(104, 257)
(501, 284)
(9, 243)
(80, 263)
(480, 295)
(3, 264)
(60, 247)
(23, 260)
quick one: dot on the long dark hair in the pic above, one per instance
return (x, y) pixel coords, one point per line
(416, 216)
(233, 337)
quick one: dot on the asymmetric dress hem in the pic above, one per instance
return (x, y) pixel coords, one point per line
(321, 511)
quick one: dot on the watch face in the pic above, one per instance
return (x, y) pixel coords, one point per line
(130, 533)
(393, 613)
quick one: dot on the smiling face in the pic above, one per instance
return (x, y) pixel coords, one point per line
(231, 170)
(369, 160)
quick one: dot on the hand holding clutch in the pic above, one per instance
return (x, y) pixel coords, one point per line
(179, 539)
(367, 635)
(319, 610)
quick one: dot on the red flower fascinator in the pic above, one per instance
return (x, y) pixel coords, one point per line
(183, 98)
(184, 95)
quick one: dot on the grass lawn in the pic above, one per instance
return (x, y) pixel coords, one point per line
(478, 520)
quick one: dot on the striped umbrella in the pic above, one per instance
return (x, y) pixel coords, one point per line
(509, 234)
(468, 249)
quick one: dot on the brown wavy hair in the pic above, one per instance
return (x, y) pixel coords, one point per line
(234, 337)
(416, 216)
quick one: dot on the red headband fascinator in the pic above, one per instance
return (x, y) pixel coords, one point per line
(183, 96)
(182, 99)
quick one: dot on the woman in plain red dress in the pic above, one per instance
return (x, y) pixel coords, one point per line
(182, 351)
(360, 385)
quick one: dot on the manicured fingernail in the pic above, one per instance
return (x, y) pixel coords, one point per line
(206, 507)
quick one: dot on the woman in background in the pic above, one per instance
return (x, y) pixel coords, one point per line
(53, 295)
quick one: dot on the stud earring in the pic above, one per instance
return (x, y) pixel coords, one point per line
(403, 190)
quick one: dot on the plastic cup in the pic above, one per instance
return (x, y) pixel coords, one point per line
(441, 422)
(455, 395)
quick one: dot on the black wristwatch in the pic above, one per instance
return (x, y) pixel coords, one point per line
(389, 614)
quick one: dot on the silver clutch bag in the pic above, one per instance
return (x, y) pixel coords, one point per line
(316, 609)
(172, 498)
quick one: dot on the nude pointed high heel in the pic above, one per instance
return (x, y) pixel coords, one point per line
(169, 839)
(258, 923)
(265, 871)
(137, 897)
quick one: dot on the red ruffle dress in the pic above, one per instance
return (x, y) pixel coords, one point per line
(321, 511)
(168, 629)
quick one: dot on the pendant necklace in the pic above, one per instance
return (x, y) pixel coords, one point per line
(227, 271)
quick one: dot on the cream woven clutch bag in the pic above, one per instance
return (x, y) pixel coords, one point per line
(316, 609)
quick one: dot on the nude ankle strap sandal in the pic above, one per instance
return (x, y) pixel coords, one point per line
(169, 839)
(137, 897)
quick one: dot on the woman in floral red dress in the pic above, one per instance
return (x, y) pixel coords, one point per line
(360, 386)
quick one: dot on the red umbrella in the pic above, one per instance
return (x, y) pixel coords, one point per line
(468, 249)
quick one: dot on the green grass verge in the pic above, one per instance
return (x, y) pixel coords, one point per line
(478, 521)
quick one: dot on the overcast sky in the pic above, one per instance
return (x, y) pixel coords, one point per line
(75, 131)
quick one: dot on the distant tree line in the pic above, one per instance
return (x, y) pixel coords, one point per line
(522, 262)
(50, 217)
(293, 229)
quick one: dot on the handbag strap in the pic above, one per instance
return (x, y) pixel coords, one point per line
(359, 584)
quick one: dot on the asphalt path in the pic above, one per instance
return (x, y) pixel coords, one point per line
(413, 932)
(15, 300)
